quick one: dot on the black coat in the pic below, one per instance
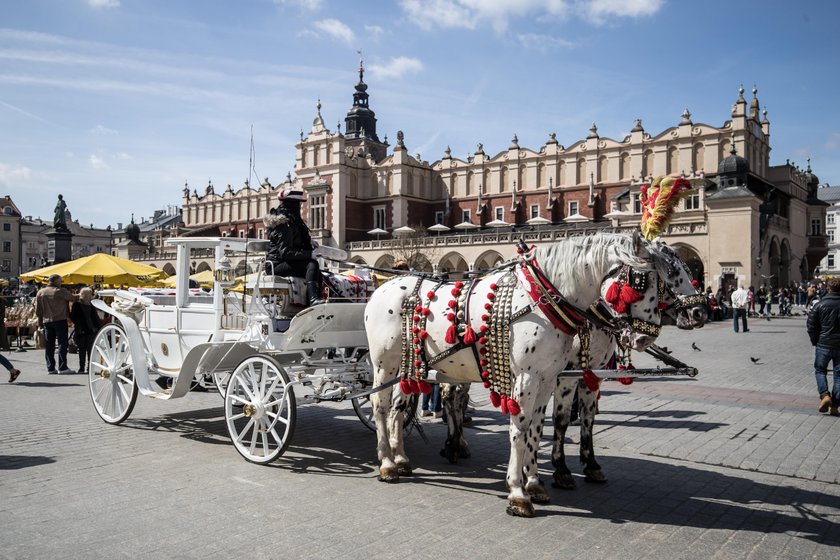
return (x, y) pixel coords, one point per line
(824, 322)
(288, 236)
(85, 319)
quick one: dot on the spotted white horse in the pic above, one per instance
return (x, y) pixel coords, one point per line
(681, 305)
(515, 344)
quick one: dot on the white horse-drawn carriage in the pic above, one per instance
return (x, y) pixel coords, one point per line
(253, 336)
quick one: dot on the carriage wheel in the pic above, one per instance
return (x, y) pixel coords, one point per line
(220, 380)
(364, 409)
(112, 386)
(260, 409)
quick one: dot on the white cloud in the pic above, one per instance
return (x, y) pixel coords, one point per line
(336, 29)
(543, 43)
(308, 5)
(374, 31)
(97, 162)
(104, 3)
(122, 156)
(396, 67)
(598, 11)
(102, 130)
(471, 14)
(9, 175)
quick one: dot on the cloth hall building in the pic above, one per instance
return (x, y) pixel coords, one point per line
(749, 221)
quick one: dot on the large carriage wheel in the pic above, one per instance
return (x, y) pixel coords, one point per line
(260, 409)
(112, 385)
(220, 380)
(364, 409)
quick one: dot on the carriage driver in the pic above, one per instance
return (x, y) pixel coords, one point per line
(290, 249)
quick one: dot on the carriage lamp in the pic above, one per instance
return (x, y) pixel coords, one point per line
(224, 273)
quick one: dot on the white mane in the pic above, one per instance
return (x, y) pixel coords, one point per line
(577, 265)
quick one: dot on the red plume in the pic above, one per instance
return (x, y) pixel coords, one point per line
(592, 381)
(405, 386)
(451, 334)
(469, 336)
(425, 387)
(495, 399)
(613, 293)
(513, 407)
(629, 294)
(505, 405)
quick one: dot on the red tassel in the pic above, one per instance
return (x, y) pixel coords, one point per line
(425, 387)
(455, 292)
(625, 380)
(629, 294)
(662, 306)
(493, 287)
(426, 311)
(405, 386)
(495, 399)
(459, 284)
(592, 381)
(430, 295)
(486, 384)
(483, 328)
(485, 317)
(482, 340)
(513, 407)
(505, 405)
(423, 333)
(453, 304)
(469, 336)
(415, 385)
(451, 334)
(620, 306)
(485, 374)
(612, 293)
(418, 308)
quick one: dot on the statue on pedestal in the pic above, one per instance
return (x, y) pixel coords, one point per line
(60, 221)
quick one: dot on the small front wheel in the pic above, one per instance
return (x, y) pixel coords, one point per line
(260, 409)
(112, 385)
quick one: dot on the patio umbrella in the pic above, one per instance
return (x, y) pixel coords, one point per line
(99, 269)
(405, 230)
(497, 224)
(615, 214)
(575, 219)
(204, 279)
(377, 232)
(538, 221)
(438, 228)
(466, 226)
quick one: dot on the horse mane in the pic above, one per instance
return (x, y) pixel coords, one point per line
(584, 260)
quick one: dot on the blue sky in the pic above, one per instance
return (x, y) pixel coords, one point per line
(116, 103)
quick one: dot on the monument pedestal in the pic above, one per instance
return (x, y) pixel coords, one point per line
(59, 246)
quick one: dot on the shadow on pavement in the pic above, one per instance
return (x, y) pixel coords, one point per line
(14, 462)
(45, 384)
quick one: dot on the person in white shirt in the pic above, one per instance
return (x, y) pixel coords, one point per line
(739, 307)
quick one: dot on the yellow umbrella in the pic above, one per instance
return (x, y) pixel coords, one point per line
(204, 279)
(99, 269)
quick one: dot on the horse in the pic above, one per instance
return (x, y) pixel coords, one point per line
(681, 304)
(511, 329)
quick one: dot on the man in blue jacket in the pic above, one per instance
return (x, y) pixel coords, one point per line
(824, 330)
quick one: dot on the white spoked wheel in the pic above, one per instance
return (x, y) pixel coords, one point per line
(112, 385)
(260, 409)
(220, 380)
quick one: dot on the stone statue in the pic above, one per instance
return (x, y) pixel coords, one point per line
(59, 221)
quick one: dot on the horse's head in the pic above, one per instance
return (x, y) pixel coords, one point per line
(632, 298)
(682, 304)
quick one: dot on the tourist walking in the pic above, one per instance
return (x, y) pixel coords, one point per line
(824, 331)
(86, 324)
(739, 307)
(52, 308)
(761, 297)
(13, 371)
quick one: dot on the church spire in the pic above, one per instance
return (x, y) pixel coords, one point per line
(360, 122)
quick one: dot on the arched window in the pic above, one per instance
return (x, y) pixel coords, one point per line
(486, 184)
(561, 174)
(602, 169)
(327, 154)
(522, 184)
(697, 157)
(624, 167)
(725, 146)
(469, 186)
(673, 160)
(649, 161)
(581, 171)
(541, 179)
(315, 151)
(303, 157)
(503, 180)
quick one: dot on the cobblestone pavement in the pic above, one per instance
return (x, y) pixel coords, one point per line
(736, 463)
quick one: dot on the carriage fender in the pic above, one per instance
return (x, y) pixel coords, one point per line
(135, 346)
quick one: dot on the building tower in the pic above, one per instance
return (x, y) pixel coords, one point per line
(360, 123)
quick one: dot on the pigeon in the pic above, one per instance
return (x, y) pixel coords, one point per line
(695, 347)
(754, 360)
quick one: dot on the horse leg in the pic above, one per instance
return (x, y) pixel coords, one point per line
(562, 414)
(524, 436)
(396, 426)
(381, 402)
(588, 407)
(533, 485)
(455, 399)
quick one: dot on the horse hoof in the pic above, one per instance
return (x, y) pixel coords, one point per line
(539, 495)
(520, 508)
(404, 469)
(449, 455)
(596, 476)
(564, 482)
(390, 476)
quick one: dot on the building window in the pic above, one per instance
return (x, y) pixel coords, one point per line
(8, 210)
(830, 261)
(439, 217)
(499, 213)
(829, 219)
(318, 212)
(7, 265)
(7, 246)
(7, 227)
(535, 211)
(379, 217)
(466, 216)
(242, 234)
(260, 233)
(637, 204)
(692, 202)
(830, 233)
(573, 207)
(816, 226)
